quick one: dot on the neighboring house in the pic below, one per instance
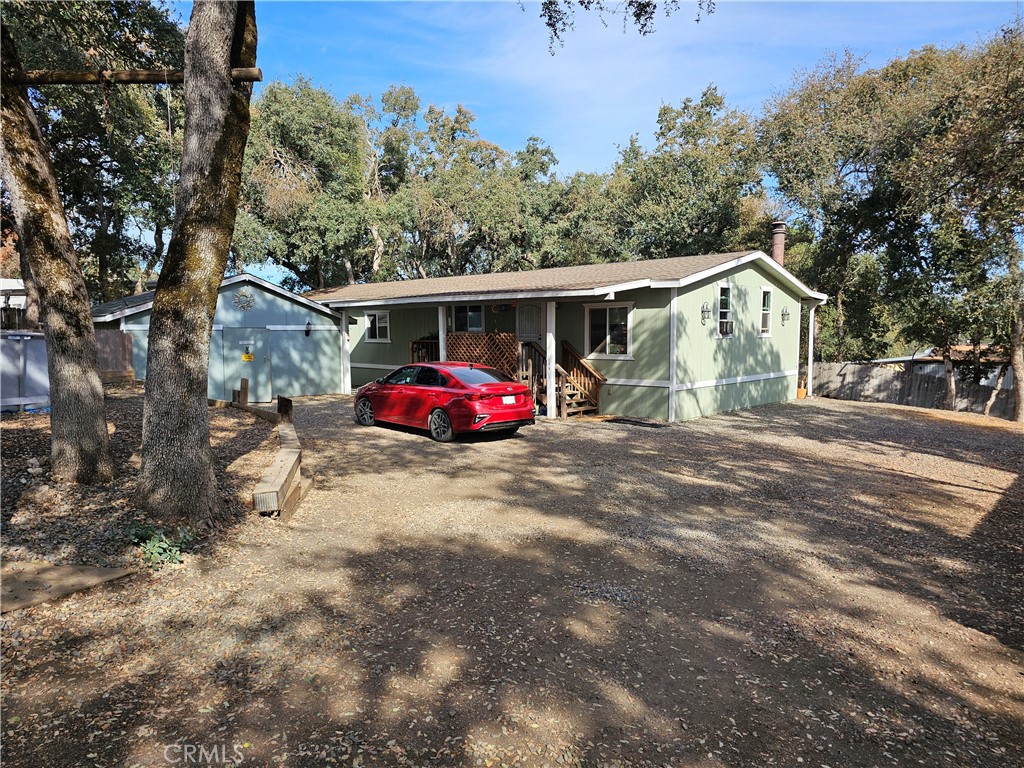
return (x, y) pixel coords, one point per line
(12, 303)
(281, 342)
(666, 339)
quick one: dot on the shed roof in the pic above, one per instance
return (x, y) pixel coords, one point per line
(584, 280)
(133, 305)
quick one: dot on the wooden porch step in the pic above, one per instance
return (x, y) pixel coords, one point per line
(571, 411)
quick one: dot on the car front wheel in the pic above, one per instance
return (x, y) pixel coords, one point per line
(364, 412)
(440, 426)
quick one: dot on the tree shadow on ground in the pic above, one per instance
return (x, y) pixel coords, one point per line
(735, 591)
(91, 524)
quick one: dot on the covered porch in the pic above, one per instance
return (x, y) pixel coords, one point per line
(519, 338)
(568, 381)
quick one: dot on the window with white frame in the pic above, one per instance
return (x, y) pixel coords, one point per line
(725, 321)
(609, 333)
(469, 319)
(766, 311)
(378, 326)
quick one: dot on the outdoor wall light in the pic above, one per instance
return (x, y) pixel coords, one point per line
(705, 313)
(309, 327)
(785, 315)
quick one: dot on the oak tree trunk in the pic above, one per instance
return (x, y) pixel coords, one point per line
(995, 389)
(1017, 363)
(949, 403)
(178, 482)
(79, 443)
(31, 292)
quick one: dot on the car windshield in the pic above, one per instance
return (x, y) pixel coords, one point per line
(474, 376)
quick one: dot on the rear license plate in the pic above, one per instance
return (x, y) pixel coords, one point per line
(508, 399)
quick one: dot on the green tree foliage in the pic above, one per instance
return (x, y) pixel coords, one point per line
(302, 186)
(114, 150)
(907, 168)
(816, 140)
(374, 190)
(686, 196)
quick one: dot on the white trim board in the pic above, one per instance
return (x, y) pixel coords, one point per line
(734, 380)
(41, 400)
(660, 383)
(303, 328)
(377, 367)
(637, 383)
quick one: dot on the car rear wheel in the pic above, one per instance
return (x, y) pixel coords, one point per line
(440, 426)
(364, 412)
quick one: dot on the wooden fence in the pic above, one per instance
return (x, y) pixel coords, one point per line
(114, 355)
(871, 383)
(497, 350)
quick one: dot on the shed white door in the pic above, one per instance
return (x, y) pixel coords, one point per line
(530, 322)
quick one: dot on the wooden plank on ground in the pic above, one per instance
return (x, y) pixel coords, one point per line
(26, 584)
(288, 436)
(257, 412)
(272, 490)
(300, 486)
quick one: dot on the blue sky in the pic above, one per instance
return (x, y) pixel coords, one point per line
(606, 82)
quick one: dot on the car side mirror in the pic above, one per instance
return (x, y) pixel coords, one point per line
(379, 381)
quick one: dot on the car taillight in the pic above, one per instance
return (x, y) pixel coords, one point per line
(478, 396)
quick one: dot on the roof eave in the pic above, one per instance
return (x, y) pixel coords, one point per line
(603, 290)
(228, 281)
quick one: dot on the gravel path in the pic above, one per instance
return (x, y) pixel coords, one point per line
(820, 583)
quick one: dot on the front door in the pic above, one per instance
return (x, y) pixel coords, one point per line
(530, 322)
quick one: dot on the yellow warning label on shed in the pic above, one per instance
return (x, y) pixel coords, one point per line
(247, 358)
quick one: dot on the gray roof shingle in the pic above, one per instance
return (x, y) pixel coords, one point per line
(128, 302)
(579, 278)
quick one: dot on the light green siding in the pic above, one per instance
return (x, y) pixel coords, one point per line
(711, 375)
(706, 364)
(639, 402)
(372, 359)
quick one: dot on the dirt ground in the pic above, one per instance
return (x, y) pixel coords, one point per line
(812, 584)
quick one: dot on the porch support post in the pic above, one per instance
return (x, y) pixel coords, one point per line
(346, 357)
(549, 361)
(673, 347)
(810, 350)
(442, 333)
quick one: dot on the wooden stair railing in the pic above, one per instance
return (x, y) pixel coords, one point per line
(571, 401)
(582, 374)
(532, 368)
(424, 350)
(577, 386)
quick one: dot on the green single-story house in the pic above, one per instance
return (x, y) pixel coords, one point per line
(667, 339)
(283, 343)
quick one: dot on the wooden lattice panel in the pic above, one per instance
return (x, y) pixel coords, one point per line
(497, 350)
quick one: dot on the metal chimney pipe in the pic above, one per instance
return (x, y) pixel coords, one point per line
(779, 242)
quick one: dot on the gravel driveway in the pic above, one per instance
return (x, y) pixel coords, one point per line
(814, 584)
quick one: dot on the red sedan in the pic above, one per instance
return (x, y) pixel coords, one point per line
(445, 399)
